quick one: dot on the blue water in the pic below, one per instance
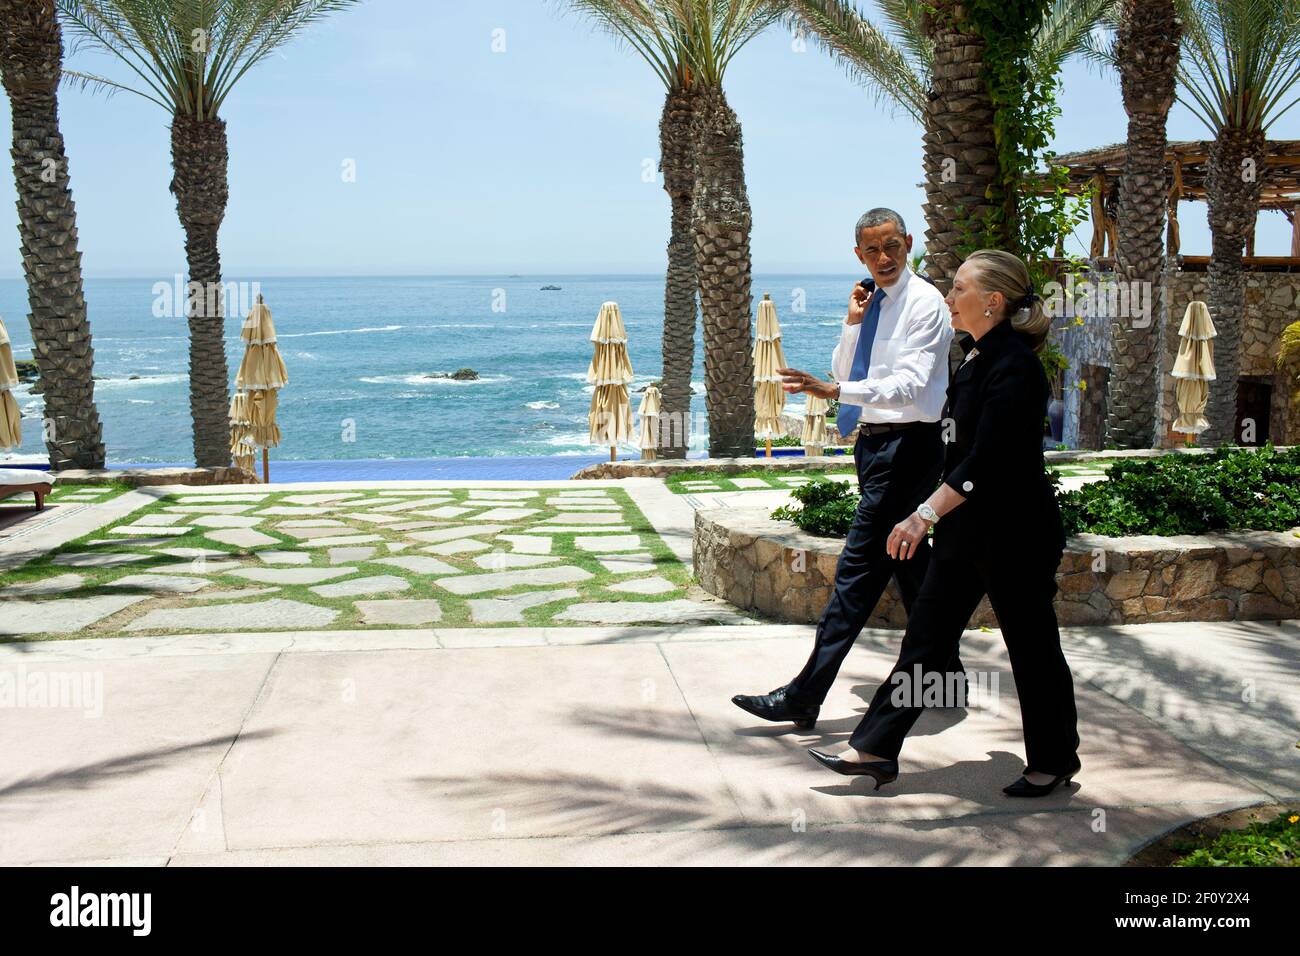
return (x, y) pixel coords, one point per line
(358, 351)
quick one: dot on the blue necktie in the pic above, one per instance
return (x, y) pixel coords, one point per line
(847, 419)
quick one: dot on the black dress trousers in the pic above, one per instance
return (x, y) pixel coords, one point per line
(1005, 540)
(896, 472)
(1021, 596)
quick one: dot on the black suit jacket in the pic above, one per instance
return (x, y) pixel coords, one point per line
(997, 400)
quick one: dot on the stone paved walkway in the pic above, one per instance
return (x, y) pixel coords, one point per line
(610, 745)
(322, 675)
(393, 554)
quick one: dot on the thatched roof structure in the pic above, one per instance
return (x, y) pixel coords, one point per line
(1188, 163)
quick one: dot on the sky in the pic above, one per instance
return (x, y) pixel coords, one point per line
(511, 136)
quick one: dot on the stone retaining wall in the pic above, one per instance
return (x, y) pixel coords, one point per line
(138, 477)
(772, 567)
(663, 467)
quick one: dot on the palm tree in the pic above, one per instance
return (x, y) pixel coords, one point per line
(715, 31)
(928, 63)
(1241, 61)
(31, 60)
(187, 55)
(1145, 52)
(650, 28)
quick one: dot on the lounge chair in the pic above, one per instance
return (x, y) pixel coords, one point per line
(15, 481)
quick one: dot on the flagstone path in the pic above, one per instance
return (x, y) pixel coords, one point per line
(266, 558)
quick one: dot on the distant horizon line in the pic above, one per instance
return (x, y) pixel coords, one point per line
(233, 273)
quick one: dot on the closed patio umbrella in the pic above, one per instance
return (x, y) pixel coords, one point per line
(610, 416)
(1194, 369)
(260, 377)
(814, 425)
(243, 449)
(649, 412)
(769, 398)
(11, 426)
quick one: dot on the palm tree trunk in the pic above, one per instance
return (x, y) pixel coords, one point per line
(722, 225)
(961, 160)
(677, 160)
(31, 56)
(1147, 53)
(199, 156)
(1233, 182)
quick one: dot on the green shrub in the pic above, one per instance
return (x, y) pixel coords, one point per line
(1229, 490)
(826, 507)
(1275, 843)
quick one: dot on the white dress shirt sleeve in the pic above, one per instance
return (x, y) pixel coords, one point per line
(925, 344)
(842, 357)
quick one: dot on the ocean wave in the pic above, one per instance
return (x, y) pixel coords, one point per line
(582, 439)
(140, 381)
(140, 401)
(303, 335)
(541, 404)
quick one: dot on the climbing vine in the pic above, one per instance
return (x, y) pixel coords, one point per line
(1031, 222)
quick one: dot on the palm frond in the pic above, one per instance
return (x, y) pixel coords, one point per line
(651, 33)
(187, 54)
(869, 55)
(1068, 29)
(1290, 344)
(1241, 61)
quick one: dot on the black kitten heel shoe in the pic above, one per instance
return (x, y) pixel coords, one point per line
(1023, 788)
(881, 771)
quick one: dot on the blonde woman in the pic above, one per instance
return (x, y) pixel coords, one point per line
(997, 531)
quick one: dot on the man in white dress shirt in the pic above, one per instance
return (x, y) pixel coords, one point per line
(891, 371)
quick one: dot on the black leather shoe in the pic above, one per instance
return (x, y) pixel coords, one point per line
(1023, 788)
(881, 771)
(777, 707)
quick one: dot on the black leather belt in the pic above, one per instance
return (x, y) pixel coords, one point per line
(881, 428)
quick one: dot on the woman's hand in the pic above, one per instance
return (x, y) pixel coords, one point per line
(795, 382)
(907, 537)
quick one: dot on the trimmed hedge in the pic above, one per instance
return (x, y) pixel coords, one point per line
(1233, 489)
(827, 507)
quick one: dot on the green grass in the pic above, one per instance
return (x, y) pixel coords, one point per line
(455, 608)
(772, 477)
(768, 475)
(1273, 842)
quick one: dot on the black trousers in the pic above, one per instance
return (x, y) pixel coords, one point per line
(896, 472)
(1021, 595)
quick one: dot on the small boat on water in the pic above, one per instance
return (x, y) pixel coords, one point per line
(551, 288)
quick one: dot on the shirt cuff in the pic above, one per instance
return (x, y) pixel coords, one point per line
(854, 393)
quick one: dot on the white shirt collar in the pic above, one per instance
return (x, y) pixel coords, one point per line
(896, 290)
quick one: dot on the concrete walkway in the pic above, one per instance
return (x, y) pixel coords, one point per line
(608, 745)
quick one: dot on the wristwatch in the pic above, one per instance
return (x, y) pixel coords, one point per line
(927, 513)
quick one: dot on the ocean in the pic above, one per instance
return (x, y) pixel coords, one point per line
(360, 352)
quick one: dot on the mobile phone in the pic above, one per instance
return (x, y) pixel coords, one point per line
(869, 284)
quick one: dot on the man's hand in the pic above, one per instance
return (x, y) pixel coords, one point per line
(858, 301)
(795, 382)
